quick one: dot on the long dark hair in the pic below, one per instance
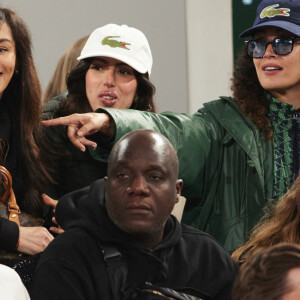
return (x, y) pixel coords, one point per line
(23, 99)
(77, 101)
(249, 94)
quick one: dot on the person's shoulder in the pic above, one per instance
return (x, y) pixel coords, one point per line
(224, 111)
(206, 252)
(67, 244)
(190, 231)
(220, 104)
(51, 106)
(199, 238)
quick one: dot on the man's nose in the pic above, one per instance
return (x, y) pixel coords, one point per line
(138, 186)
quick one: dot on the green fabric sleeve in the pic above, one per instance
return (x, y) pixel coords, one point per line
(191, 136)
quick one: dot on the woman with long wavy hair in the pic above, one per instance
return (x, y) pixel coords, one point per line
(20, 133)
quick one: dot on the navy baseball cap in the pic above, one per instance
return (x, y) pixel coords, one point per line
(284, 14)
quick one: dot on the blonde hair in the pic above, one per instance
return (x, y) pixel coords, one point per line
(66, 63)
(279, 225)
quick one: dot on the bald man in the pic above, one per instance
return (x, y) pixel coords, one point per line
(120, 234)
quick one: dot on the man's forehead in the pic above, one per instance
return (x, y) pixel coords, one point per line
(148, 155)
(141, 157)
(141, 146)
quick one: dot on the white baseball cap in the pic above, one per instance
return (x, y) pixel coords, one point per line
(124, 43)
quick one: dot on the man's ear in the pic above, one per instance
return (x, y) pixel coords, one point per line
(179, 184)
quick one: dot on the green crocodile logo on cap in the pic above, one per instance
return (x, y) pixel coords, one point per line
(114, 43)
(271, 11)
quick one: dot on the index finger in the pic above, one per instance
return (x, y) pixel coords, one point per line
(68, 120)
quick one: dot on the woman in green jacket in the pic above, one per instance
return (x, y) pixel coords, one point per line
(235, 155)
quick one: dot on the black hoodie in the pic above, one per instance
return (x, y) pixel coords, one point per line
(72, 267)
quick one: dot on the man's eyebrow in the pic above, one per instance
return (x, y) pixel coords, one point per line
(157, 168)
(121, 163)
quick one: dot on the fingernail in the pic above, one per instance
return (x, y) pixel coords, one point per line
(82, 149)
(79, 133)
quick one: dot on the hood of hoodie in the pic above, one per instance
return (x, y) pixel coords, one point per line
(85, 209)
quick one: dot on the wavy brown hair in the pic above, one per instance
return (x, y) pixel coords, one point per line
(280, 224)
(77, 101)
(22, 99)
(265, 274)
(249, 94)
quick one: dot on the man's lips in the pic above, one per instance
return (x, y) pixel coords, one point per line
(138, 207)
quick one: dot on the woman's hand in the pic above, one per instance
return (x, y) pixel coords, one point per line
(33, 240)
(52, 203)
(80, 125)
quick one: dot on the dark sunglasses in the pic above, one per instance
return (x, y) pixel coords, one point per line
(281, 46)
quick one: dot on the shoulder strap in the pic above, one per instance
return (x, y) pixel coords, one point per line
(116, 269)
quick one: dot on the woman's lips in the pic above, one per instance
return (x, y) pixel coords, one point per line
(271, 68)
(108, 98)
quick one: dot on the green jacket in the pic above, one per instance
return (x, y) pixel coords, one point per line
(225, 162)
(74, 169)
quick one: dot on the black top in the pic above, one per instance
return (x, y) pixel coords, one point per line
(72, 266)
(10, 158)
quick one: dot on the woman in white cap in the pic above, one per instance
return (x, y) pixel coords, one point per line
(234, 154)
(114, 69)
